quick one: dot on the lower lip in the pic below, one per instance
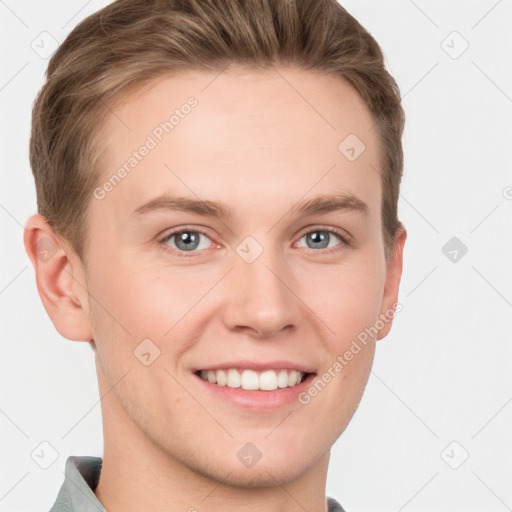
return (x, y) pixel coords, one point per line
(258, 399)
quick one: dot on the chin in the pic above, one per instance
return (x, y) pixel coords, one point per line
(261, 475)
(280, 466)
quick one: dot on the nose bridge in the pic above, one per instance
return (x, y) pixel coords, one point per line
(260, 298)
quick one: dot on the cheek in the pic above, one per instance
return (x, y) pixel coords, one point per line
(141, 301)
(348, 307)
(347, 300)
(135, 294)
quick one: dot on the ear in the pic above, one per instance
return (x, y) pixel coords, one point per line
(60, 279)
(393, 276)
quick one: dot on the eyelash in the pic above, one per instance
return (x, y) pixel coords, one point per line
(346, 241)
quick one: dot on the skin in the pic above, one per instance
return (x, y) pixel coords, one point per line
(255, 144)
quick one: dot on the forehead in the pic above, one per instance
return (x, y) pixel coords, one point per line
(282, 129)
(327, 107)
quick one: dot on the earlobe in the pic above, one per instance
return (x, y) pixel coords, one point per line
(59, 279)
(393, 277)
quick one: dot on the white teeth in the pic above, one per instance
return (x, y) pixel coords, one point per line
(250, 380)
(233, 379)
(267, 380)
(293, 377)
(221, 378)
(282, 379)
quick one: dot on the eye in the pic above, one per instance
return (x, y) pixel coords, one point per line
(321, 238)
(185, 240)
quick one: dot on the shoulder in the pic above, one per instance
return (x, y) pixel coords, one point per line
(334, 506)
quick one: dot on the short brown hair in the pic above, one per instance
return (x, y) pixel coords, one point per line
(133, 41)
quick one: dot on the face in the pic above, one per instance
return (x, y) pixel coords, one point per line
(283, 268)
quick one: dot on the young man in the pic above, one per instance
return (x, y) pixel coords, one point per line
(217, 187)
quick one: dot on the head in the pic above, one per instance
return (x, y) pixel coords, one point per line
(256, 118)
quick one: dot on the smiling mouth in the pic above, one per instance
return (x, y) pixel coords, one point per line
(251, 380)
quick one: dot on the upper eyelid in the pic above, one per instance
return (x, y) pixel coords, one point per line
(184, 230)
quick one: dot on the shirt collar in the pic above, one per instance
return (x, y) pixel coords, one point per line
(82, 475)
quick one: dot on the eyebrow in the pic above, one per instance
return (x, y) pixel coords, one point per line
(321, 204)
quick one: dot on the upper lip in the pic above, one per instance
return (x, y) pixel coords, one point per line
(259, 366)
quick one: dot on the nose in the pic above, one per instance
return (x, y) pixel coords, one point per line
(260, 299)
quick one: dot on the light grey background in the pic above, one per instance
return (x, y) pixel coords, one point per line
(441, 385)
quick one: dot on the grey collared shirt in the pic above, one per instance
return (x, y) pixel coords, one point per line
(82, 475)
